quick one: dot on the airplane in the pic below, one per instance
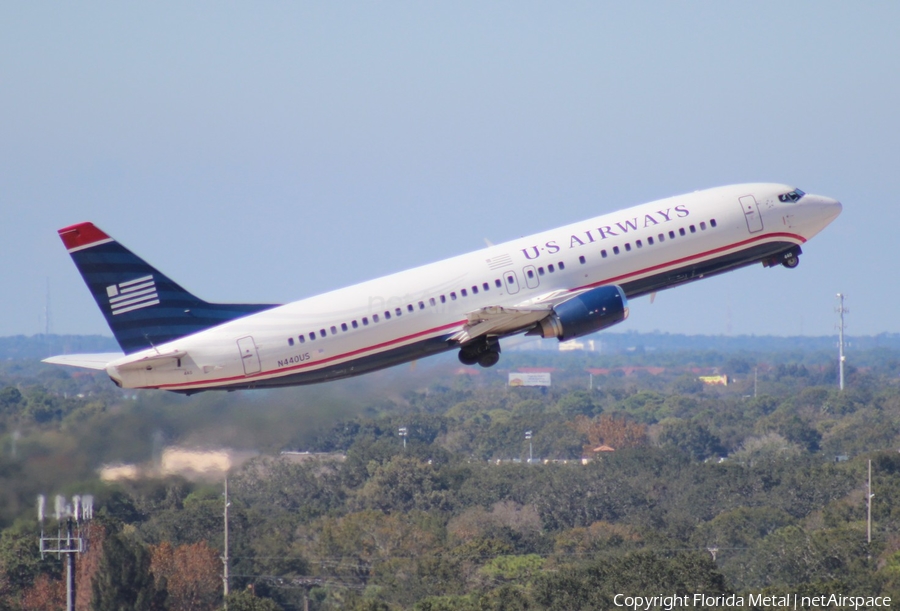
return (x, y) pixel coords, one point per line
(563, 283)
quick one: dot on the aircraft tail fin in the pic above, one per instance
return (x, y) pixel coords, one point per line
(142, 306)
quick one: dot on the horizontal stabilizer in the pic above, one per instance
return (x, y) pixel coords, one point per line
(88, 361)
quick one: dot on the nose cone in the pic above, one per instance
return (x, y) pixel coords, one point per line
(831, 208)
(821, 211)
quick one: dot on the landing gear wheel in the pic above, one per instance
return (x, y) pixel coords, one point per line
(791, 262)
(489, 359)
(484, 352)
(467, 358)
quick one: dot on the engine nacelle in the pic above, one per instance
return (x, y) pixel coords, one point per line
(594, 310)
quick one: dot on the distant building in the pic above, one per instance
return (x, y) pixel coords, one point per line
(522, 378)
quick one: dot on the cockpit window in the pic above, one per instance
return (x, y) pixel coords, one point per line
(793, 196)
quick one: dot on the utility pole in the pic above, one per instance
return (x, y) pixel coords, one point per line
(528, 437)
(403, 432)
(225, 556)
(841, 310)
(869, 496)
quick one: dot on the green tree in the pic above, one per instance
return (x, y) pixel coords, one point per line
(246, 600)
(124, 581)
(691, 437)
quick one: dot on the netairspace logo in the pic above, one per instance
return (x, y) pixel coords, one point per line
(787, 601)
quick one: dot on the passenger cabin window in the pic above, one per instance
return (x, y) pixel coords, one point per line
(550, 268)
(334, 330)
(312, 335)
(662, 237)
(375, 318)
(475, 290)
(344, 326)
(365, 321)
(464, 293)
(650, 241)
(399, 312)
(290, 341)
(541, 270)
(302, 339)
(672, 235)
(712, 222)
(354, 324)
(498, 283)
(322, 333)
(432, 301)
(530, 273)
(582, 260)
(681, 231)
(421, 305)
(603, 254)
(562, 265)
(410, 308)
(693, 229)
(628, 246)
(638, 243)
(443, 299)
(486, 286)
(615, 250)
(387, 316)
(702, 225)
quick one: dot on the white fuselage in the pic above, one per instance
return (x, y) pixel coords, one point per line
(410, 314)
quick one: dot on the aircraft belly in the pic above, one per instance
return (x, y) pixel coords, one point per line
(703, 269)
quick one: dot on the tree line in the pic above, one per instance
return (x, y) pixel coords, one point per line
(758, 486)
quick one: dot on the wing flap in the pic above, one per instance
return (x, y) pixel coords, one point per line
(499, 320)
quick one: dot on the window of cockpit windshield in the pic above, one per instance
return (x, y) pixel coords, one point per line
(793, 196)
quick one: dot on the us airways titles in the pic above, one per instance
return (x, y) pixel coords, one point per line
(609, 231)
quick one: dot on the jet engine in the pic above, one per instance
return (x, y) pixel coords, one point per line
(590, 311)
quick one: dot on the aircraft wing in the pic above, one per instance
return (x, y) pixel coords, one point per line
(500, 320)
(88, 361)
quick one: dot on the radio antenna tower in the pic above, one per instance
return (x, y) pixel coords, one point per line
(47, 324)
(841, 310)
(71, 525)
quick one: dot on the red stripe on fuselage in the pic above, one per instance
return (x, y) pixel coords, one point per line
(702, 255)
(345, 355)
(406, 338)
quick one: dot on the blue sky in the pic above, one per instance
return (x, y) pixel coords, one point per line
(270, 151)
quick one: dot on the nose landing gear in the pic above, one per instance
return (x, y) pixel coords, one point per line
(789, 258)
(484, 352)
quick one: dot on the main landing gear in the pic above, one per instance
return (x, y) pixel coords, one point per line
(483, 351)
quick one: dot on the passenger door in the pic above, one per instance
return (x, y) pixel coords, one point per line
(249, 355)
(751, 213)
